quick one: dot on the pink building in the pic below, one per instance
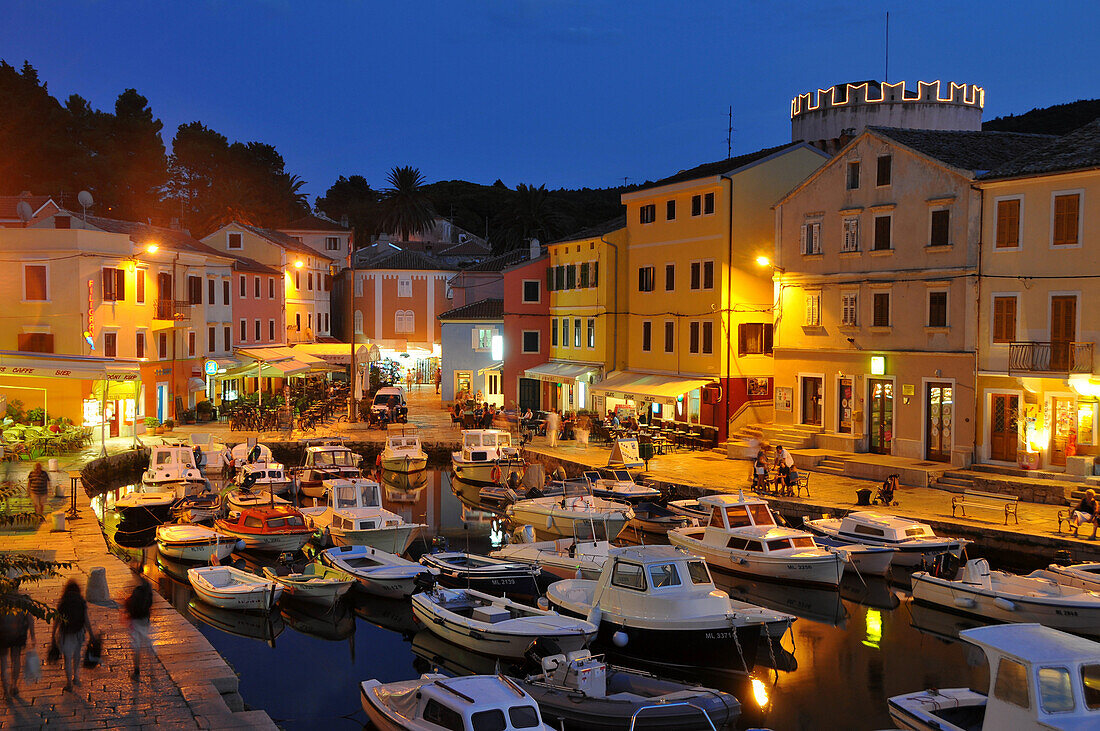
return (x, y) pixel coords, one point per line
(526, 331)
(259, 304)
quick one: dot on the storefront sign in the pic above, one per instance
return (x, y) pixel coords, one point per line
(878, 365)
(908, 389)
(91, 309)
(210, 367)
(784, 395)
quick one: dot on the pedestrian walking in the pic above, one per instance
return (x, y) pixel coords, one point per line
(408, 381)
(438, 378)
(38, 487)
(15, 628)
(138, 607)
(69, 631)
(553, 423)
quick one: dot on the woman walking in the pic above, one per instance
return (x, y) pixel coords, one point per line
(15, 627)
(38, 487)
(138, 606)
(68, 631)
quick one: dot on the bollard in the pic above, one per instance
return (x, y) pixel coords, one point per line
(97, 591)
(59, 521)
(54, 467)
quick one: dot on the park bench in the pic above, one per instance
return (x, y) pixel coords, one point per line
(1064, 516)
(986, 501)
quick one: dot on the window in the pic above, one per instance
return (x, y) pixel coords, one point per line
(271, 288)
(1066, 218)
(531, 341)
(628, 576)
(648, 213)
(358, 317)
(693, 336)
(937, 309)
(849, 309)
(670, 336)
(591, 332)
(698, 572)
(577, 333)
(1004, 319)
(851, 235)
(139, 345)
(940, 234)
(670, 277)
(211, 339)
(191, 338)
(256, 287)
(754, 338)
(233, 240)
(882, 233)
(708, 275)
(571, 276)
(708, 337)
(1008, 224)
(225, 292)
(554, 332)
(812, 315)
(647, 336)
(437, 713)
(359, 284)
(885, 162)
(491, 720)
(139, 281)
(531, 290)
(194, 290)
(298, 281)
(811, 238)
(1090, 682)
(326, 323)
(523, 716)
(708, 203)
(1055, 690)
(210, 291)
(35, 287)
(35, 342)
(702, 275)
(256, 329)
(670, 210)
(162, 345)
(1011, 683)
(244, 287)
(110, 345)
(695, 275)
(404, 286)
(881, 316)
(332, 243)
(853, 175)
(585, 268)
(227, 338)
(664, 574)
(244, 331)
(483, 338)
(309, 281)
(565, 332)
(405, 321)
(696, 205)
(645, 279)
(493, 386)
(114, 285)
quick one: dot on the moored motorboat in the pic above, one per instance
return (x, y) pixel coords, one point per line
(196, 508)
(230, 588)
(494, 625)
(579, 557)
(194, 542)
(1081, 575)
(270, 477)
(741, 537)
(861, 559)
(487, 457)
(315, 583)
(403, 453)
(1025, 661)
(207, 452)
(327, 460)
(241, 498)
(172, 469)
(142, 511)
(488, 574)
(278, 528)
(354, 516)
(464, 704)
(652, 522)
(916, 543)
(619, 485)
(1004, 597)
(553, 517)
(690, 508)
(378, 572)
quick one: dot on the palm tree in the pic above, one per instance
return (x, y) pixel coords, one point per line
(531, 213)
(405, 207)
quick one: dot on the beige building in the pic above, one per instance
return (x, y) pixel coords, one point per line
(876, 289)
(1038, 380)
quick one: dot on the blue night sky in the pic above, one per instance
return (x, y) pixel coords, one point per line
(563, 92)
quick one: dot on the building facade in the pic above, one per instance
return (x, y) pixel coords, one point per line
(329, 239)
(473, 348)
(526, 331)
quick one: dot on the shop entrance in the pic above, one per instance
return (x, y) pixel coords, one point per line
(1063, 432)
(939, 405)
(1004, 434)
(529, 390)
(811, 400)
(881, 416)
(844, 406)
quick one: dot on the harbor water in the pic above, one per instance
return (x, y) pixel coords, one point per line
(845, 655)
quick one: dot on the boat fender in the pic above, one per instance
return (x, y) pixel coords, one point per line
(549, 521)
(578, 574)
(378, 460)
(594, 615)
(495, 474)
(239, 545)
(543, 604)
(620, 639)
(1004, 604)
(964, 601)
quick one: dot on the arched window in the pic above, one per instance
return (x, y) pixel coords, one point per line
(358, 322)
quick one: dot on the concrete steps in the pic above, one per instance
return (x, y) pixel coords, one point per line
(955, 481)
(831, 465)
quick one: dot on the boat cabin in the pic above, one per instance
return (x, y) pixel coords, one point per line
(331, 455)
(747, 524)
(267, 520)
(635, 577)
(868, 524)
(403, 443)
(264, 472)
(346, 494)
(470, 703)
(486, 445)
(1038, 676)
(171, 464)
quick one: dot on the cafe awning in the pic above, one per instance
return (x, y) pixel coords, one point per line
(275, 362)
(648, 387)
(50, 365)
(557, 372)
(491, 368)
(338, 353)
(195, 384)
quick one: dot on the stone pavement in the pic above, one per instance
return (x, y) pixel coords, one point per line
(186, 685)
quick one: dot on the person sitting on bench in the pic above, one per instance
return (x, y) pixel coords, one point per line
(790, 481)
(1086, 511)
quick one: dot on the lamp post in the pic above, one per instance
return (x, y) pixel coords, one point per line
(353, 374)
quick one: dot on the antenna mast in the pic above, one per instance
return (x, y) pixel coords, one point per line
(887, 79)
(729, 136)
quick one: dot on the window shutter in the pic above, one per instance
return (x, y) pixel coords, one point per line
(549, 279)
(741, 335)
(120, 284)
(768, 338)
(595, 273)
(805, 240)
(815, 245)
(108, 285)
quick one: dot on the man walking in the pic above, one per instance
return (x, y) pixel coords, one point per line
(38, 486)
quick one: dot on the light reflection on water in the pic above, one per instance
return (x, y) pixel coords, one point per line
(846, 654)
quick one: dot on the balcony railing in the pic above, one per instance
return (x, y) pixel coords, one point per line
(1050, 357)
(173, 310)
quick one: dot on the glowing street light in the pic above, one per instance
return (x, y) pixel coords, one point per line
(299, 264)
(763, 261)
(151, 249)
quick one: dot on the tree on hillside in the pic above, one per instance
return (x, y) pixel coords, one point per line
(531, 213)
(1059, 119)
(132, 160)
(405, 208)
(352, 197)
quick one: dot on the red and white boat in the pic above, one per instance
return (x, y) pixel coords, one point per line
(278, 528)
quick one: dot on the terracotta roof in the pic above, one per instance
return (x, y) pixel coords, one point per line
(143, 233)
(501, 261)
(469, 246)
(9, 204)
(314, 223)
(486, 309)
(595, 231)
(712, 169)
(405, 259)
(244, 264)
(281, 239)
(966, 150)
(1078, 150)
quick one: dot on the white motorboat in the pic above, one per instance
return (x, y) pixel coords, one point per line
(487, 457)
(861, 559)
(230, 588)
(490, 574)
(742, 537)
(496, 626)
(579, 557)
(316, 583)
(915, 542)
(354, 516)
(194, 542)
(250, 451)
(437, 702)
(1081, 575)
(690, 508)
(208, 456)
(403, 453)
(269, 477)
(658, 605)
(140, 510)
(328, 460)
(378, 572)
(554, 517)
(1005, 597)
(1039, 679)
(619, 485)
(239, 499)
(172, 469)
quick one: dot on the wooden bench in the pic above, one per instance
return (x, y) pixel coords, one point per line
(1064, 516)
(986, 501)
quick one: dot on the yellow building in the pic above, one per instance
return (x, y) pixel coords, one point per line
(698, 321)
(581, 282)
(1038, 380)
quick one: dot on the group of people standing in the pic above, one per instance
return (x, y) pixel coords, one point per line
(786, 474)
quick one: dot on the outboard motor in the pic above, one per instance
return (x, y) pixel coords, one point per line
(944, 566)
(514, 480)
(1062, 557)
(423, 582)
(541, 647)
(254, 454)
(559, 473)
(248, 481)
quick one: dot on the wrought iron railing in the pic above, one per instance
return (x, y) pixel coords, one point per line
(1059, 356)
(173, 310)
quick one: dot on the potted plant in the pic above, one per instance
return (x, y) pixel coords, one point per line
(169, 425)
(204, 411)
(187, 416)
(152, 424)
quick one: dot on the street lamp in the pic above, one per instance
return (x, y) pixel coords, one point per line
(299, 264)
(151, 249)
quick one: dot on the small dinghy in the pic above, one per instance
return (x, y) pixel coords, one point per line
(378, 572)
(1025, 661)
(580, 690)
(652, 522)
(316, 583)
(230, 588)
(495, 626)
(196, 508)
(1005, 597)
(690, 509)
(242, 498)
(1081, 575)
(491, 575)
(437, 702)
(194, 542)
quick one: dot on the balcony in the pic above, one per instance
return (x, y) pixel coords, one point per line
(1050, 357)
(177, 310)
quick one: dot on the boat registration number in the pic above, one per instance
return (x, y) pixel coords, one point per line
(726, 635)
(1065, 612)
(799, 566)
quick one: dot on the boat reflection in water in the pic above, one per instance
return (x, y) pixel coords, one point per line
(261, 626)
(940, 624)
(396, 615)
(403, 487)
(819, 605)
(330, 623)
(435, 654)
(871, 591)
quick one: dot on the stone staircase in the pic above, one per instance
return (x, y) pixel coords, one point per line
(955, 481)
(831, 465)
(744, 443)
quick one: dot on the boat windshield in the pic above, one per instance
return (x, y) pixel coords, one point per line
(337, 458)
(284, 522)
(471, 440)
(697, 570)
(804, 542)
(589, 531)
(505, 440)
(1011, 683)
(917, 531)
(1055, 690)
(663, 574)
(356, 496)
(523, 717)
(738, 516)
(760, 514)
(164, 458)
(1090, 680)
